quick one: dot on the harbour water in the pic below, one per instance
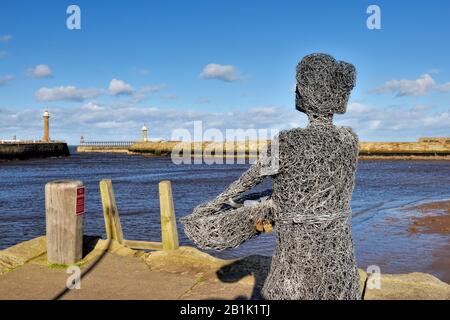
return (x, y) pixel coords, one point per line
(380, 223)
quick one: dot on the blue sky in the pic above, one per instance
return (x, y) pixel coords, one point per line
(158, 52)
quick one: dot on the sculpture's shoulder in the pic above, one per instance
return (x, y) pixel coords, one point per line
(299, 138)
(349, 137)
(291, 134)
(345, 132)
(349, 131)
(294, 142)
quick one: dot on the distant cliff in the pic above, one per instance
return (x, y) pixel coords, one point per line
(28, 150)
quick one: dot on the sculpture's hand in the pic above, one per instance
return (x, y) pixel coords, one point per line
(264, 226)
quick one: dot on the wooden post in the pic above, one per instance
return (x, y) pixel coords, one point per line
(110, 212)
(169, 233)
(64, 227)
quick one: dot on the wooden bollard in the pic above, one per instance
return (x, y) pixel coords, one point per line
(64, 208)
(110, 212)
(169, 233)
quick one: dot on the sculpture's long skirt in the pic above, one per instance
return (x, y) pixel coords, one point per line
(313, 261)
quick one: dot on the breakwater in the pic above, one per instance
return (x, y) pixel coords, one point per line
(206, 149)
(29, 150)
(425, 148)
(165, 148)
(102, 149)
(105, 146)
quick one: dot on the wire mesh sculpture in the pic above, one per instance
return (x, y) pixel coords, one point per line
(309, 205)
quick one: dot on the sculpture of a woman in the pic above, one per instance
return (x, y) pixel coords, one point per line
(309, 205)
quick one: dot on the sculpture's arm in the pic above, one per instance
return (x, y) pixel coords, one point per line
(227, 229)
(249, 179)
(227, 221)
(265, 166)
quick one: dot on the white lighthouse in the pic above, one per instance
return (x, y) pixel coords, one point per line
(144, 134)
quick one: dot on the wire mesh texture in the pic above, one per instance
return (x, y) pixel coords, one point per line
(309, 204)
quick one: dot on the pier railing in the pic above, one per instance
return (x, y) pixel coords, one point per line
(106, 143)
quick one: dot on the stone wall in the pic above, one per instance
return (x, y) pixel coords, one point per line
(425, 147)
(404, 148)
(102, 149)
(206, 147)
(10, 151)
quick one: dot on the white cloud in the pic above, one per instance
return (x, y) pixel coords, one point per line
(6, 38)
(123, 121)
(152, 88)
(5, 79)
(3, 54)
(227, 73)
(418, 87)
(118, 87)
(141, 94)
(40, 71)
(396, 123)
(91, 106)
(421, 107)
(169, 96)
(111, 122)
(357, 108)
(374, 124)
(265, 110)
(444, 87)
(66, 93)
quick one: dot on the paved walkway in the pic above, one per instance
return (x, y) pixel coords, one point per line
(113, 271)
(114, 277)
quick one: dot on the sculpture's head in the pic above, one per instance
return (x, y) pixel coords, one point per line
(323, 85)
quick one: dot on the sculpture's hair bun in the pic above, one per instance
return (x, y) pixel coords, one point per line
(323, 84)
(346, 75)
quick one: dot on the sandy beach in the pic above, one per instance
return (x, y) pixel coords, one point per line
(434, 218)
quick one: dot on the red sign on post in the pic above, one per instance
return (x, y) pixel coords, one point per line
(79, 208)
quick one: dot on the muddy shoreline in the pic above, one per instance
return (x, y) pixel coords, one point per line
(434, 218)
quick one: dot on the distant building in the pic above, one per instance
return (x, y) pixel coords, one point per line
(144, 134)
